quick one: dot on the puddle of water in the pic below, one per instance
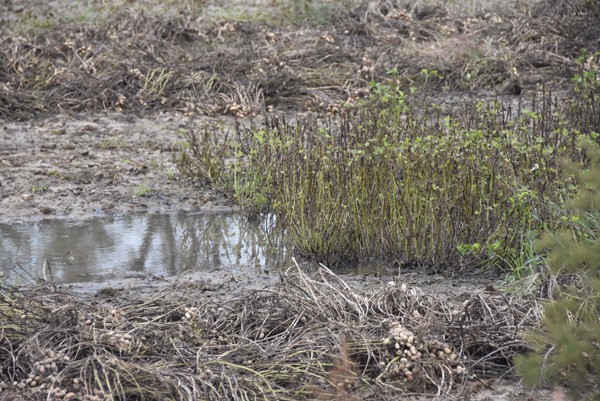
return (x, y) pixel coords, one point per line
(138, 246)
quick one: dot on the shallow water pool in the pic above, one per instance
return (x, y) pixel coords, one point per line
(138, 246)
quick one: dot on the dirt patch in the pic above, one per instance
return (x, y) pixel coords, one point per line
(81, 167)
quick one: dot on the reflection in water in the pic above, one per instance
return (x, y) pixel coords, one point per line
(102, 249)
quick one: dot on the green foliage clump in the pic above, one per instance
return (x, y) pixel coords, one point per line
(203, 156)
(398, 178)
(567, 345)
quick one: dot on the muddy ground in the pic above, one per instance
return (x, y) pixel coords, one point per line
(111, 164)
(93, 100)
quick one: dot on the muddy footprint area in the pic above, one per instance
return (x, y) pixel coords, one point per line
(78, 168)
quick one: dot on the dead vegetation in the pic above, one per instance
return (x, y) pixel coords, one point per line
(133, 60)
(310, 337)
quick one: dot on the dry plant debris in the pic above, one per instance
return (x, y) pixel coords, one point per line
(135, 61)
(310, 336)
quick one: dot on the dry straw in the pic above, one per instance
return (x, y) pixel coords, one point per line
(311, 335)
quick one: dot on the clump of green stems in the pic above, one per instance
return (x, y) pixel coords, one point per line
(397, 177)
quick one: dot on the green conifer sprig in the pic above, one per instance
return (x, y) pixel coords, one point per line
(567, 343)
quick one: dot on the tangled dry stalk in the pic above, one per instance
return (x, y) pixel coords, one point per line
(312, 336)
(135, 61)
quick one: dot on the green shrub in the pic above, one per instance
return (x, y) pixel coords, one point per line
(203, 154)
(567, 345)
(396, 177)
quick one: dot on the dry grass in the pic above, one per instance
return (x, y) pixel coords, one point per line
(131, 61)
(311, 336)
